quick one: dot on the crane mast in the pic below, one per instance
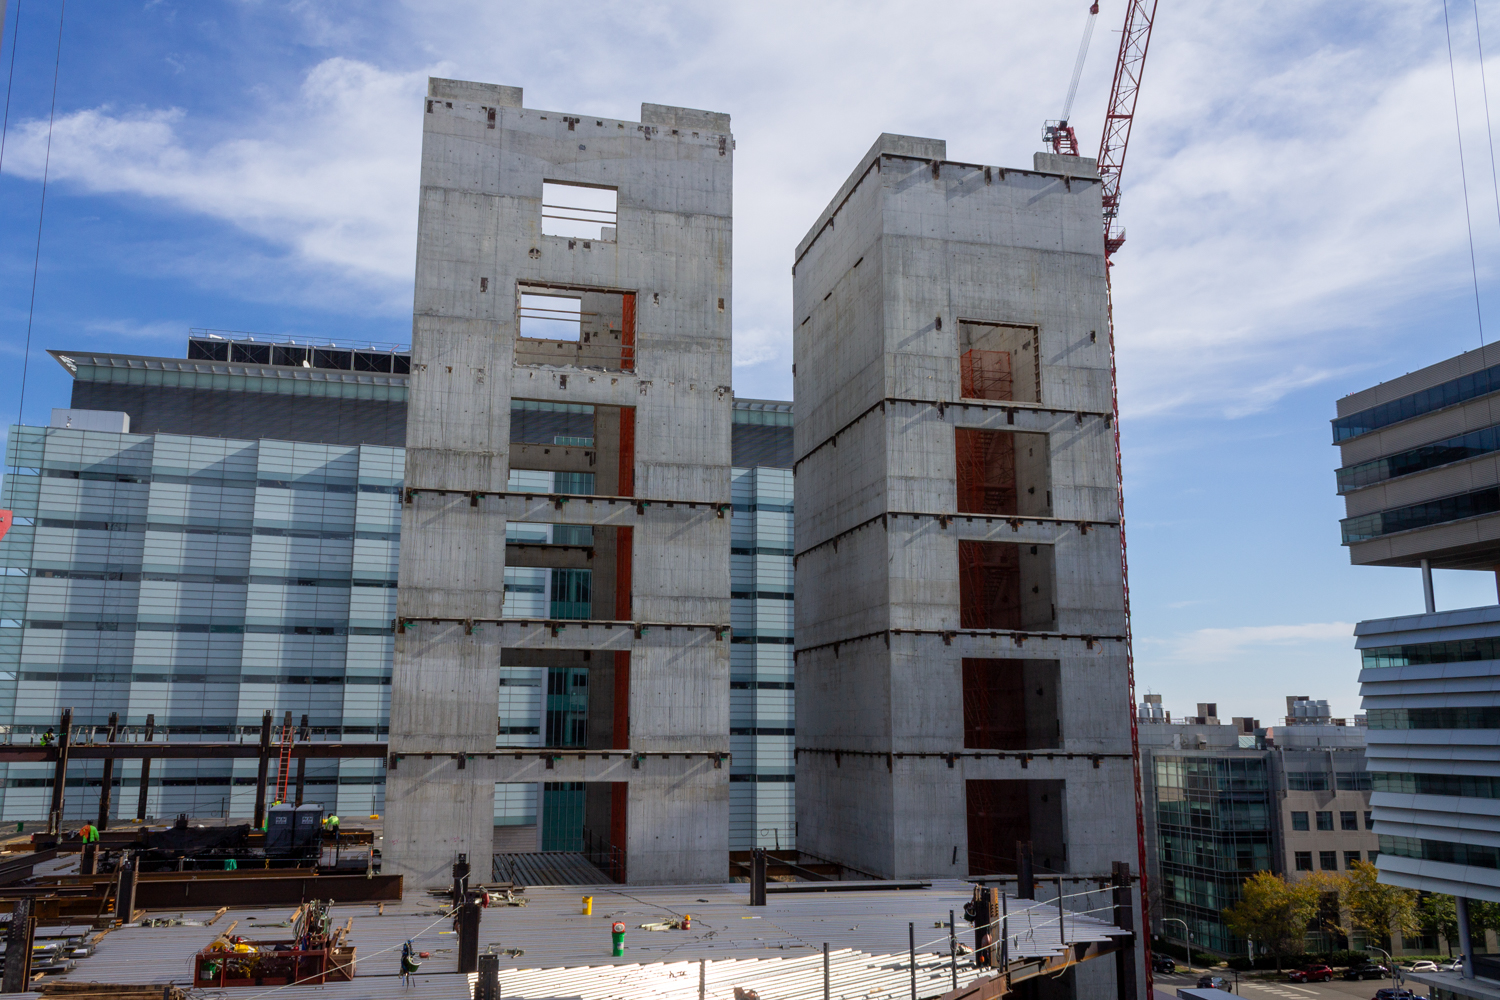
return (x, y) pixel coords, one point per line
(1134, 41)
(1113, 143)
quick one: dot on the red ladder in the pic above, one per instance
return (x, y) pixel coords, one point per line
(284, 771)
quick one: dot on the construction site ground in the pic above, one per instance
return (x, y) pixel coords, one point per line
(549, 948)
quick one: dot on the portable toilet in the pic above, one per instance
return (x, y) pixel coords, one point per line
(309, 825)
(279, 827)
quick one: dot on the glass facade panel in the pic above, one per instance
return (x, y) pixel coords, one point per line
(1214, 829)
(1473, 855)
(1457, 390)
(1480, 717)
(762, 696)
(201, 581)
(1430, 652)
(1465, 785)
(1428, 456)
(1421, 515)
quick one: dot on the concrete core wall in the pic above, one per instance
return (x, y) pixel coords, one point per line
(483, 242)
(916, 261)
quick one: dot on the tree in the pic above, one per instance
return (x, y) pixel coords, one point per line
(1381, 910)
(1274, 913)
(1439, 915)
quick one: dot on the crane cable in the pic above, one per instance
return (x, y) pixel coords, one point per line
(1463, 173)
(1083, 51)
(41, 210)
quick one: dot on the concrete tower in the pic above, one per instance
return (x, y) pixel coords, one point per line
(961, 669)
(567, 479)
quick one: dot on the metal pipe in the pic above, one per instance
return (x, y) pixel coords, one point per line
(140, 805)
(107, 786)
(1427, 587)
(911, 938)
(826, 994)
(952, 950)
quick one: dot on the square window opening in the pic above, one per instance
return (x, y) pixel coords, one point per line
(1000, 472)
(1348, 820)
(1011, 704)
(1299, 821)
(1304, 861)
(1325, 821)
(579, 211)
(1005, 586)
(999, 361)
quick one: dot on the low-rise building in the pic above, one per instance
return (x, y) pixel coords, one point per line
(1226, 800)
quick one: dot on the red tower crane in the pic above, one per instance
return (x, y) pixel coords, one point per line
(1135, 38)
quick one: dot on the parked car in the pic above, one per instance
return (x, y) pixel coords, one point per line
(1457, 965)
(1367, 972)
(1395, 994)
(1213, 983)
(1311, 974)
(1422, 967)
(1162, 963)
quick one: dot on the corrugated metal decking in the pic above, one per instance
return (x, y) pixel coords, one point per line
(776, 949)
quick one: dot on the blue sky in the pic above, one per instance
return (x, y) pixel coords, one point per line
(1292, 200)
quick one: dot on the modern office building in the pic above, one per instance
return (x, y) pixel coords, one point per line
(1420, 476)
(1228, 799)
(580, 265)
(762, 695)
(961, 672)
(167, 564)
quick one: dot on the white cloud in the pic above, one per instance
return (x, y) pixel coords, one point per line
(1291, 182)
(1210, 646)
(330, 177)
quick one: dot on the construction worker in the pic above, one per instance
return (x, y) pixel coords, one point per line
(409, 965)
(48, 738)
(89, 833)
(333, 825)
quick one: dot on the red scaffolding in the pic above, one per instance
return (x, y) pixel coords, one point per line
(986, 463)
(986, 375)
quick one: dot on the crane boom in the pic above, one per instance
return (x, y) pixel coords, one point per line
(1134, 40)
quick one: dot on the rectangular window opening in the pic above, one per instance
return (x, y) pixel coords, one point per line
(1010, 704)
(1001, 813)
(1005, 586)
(999, 472)
(580, 211)
(577, 327)
(999, 361)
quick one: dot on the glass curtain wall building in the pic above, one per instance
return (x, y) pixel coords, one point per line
(762, 698)
(201, 580)
(1213, 821)
(195, 573)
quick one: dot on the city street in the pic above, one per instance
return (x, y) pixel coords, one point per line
(1263, 989)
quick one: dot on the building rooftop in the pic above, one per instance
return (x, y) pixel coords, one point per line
(550, 949)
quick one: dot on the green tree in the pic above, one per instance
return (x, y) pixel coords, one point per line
(1274, 913)
(1377, 909)
(1439, 915)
